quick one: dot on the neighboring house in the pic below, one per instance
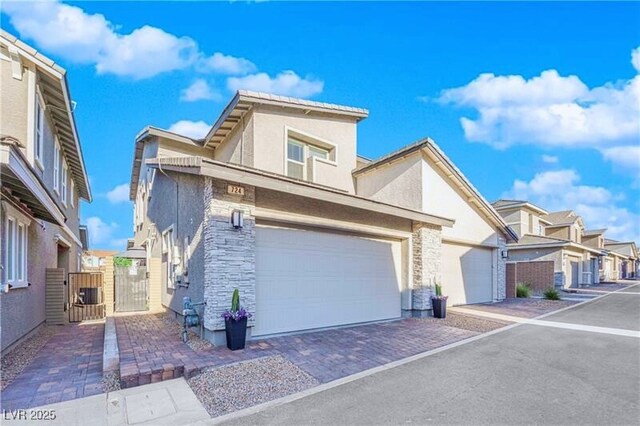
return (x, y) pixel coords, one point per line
(43, 180)
(625, 258)
(550, 250)
(270, 202)
(95, 260)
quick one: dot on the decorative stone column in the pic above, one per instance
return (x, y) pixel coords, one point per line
(427, 259)
(229, 255)
(502, 269)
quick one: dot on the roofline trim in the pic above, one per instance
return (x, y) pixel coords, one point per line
(234, 173)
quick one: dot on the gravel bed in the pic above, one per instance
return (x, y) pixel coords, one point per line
(524, 308)
(233, 387)
(194, 342)
(468, 322)
(111, 382)
(14, 362)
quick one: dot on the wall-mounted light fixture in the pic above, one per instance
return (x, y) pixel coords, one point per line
(236, 219)
(504, 254)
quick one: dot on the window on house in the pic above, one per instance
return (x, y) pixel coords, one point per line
(15, 238)
(167, 254)
(39, 134)
(56, 167)
(64, 182)
(297, 155)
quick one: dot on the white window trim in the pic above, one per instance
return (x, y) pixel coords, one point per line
(171, 276)
(19, 221)
(72, 192)
(63, 184)
(39, 109)
(305, 139)
(56, 166)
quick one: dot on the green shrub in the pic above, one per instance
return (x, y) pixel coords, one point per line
(122, 261)
(551, 294)
(523, 290)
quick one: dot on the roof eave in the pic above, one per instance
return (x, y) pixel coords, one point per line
(234, 173)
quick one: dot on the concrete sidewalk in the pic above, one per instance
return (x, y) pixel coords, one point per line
(170, 402)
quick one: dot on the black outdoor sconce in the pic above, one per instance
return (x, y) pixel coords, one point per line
(237, 219)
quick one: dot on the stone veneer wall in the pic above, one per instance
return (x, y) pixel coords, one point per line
(427, 260)
(502, 269)
(229, 254)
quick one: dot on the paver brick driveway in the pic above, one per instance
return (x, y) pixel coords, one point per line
(146, 344)
(68, 366)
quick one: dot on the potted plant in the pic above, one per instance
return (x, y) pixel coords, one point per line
(439, 303)
(235, 323)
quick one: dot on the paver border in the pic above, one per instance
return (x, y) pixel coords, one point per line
(326, 386)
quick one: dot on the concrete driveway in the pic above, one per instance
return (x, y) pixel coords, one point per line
(579, 366)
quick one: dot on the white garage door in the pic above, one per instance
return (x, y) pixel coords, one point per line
(307, 279)
(467, 274)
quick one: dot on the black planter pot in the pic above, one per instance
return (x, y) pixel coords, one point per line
(439, 308)
(236, 333)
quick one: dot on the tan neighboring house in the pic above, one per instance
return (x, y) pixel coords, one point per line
(96, 260)
(550, 251)
(43, 179)
(624, 257)
(276, 202)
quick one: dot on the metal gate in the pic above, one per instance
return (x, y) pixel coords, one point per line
(86, 296)
(131, 288)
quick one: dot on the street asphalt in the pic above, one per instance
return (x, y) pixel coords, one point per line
(529, 374)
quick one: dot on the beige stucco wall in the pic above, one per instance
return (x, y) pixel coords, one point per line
(561, 232)
(269, 142)
(399, 183)
(415, 183)
(553, 254)
(237, 148)
(14, 105)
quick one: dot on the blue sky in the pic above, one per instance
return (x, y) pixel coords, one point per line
(536, 101)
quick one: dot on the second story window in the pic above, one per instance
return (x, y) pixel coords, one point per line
(39, 133)
(56, 167)
(298, 155)
(64, 183)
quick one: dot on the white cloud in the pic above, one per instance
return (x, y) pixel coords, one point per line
(635, 58)
(549, 159)
(625, 157)
(287, 83)
(100, 233)
(68, 31)
(198, 91)
(226, 64)
(599, 208)
(119, 194)
(550, 110)
(192, 129)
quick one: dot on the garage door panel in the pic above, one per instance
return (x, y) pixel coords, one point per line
(467, 274)
(308, 279)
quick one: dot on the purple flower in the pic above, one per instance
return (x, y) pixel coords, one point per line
(238, 315)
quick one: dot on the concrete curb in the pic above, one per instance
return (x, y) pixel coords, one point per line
(110, 352)
(326, 386)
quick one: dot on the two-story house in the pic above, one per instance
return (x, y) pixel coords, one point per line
(550, 251)
(276, 202)
(43, 179)
(623, 256)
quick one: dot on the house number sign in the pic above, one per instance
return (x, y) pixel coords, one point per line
(235, 189)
